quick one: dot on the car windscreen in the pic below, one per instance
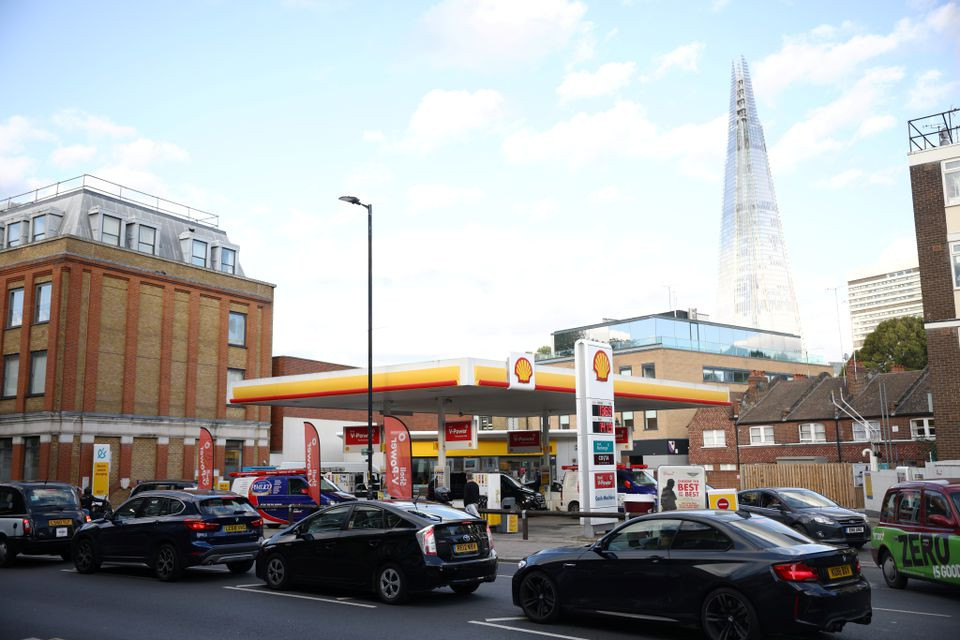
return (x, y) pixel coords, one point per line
(226, 506)
(768, 533)
(635, 477)
(955, 496)
(52, 497)
(803, 499)
(326, 485)
(438, 512)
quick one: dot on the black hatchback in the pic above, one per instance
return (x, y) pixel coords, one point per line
(809, 513)
(172, 530)
(391, 548)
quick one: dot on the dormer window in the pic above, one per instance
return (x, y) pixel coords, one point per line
(14, 234)
(228, 260)
(199, 253)
(110, 230)
(39, 228)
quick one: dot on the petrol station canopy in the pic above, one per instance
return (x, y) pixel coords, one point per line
(470, 386)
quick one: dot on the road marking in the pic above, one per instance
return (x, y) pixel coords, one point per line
(638, 616)
(505, 619)
(539, 633)
(504, 575)
(68, 570)
(918, 613)
(303, 597)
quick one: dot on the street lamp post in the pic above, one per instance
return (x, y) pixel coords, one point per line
(369, 208)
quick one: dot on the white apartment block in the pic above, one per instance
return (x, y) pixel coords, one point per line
(874, 299)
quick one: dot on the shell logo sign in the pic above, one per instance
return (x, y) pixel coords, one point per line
(601, 366)
(523, 370)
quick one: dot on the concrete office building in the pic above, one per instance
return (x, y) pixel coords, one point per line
(875, 298)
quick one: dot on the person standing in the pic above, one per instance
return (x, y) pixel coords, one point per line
(471, 496)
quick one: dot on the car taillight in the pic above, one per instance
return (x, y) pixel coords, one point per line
(257, 523)
(87, 517)
(856, 566)
(795, 572)
(428, 543)
(490, 535)
(27, 527)
(201, 525)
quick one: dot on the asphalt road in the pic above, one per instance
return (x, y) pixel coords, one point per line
(44, 598)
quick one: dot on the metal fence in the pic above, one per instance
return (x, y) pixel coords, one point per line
(937, 130)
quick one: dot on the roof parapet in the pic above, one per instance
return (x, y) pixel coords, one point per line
(936, 130)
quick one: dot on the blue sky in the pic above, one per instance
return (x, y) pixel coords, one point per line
(533, 165)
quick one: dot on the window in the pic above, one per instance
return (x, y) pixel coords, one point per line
(922, 428)
(237, 331)
(41, 302)
(11, 370)
(728, 467)
(650, 421)
(865, 432)
(714, 438)
(199, 257)
(935, 504)
(329, 520)
(228, 260)
(889, 508)
(130, 509)
(485, 423)
(909, 508)
(234, 375)
(38, 373)
(813, 432)
(649, 370)
(649, 535)
(366, 517)
(697, 536)
(14, 234)
(750, 498)
(232, 457)
(39, 228)
(626, 371)
(955, 261)
(6, 459)
(15, 307)
(761, 435)
(951, 182)
(147, 239)
(627, 419)
(31, 459)
(564, 422)
(110, 230)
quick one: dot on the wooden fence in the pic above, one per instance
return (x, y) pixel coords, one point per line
(834, 480)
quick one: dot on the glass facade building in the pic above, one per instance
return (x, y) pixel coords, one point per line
(755, 287)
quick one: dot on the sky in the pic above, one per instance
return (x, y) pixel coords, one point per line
(533, 166)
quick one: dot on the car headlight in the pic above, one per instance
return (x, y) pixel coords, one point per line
(522, 564)
(824, 520)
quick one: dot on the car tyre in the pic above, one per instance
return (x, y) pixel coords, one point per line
(465, 589)
(166, 563)
(539, 598)
(573, 506)
(240, 566)
(7, 553)
(391, 584)
(891, 575)
(85, 556)
(276, 572)
(728, 614)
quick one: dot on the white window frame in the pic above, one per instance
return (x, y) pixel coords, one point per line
(713, 441)
(11, 375)
(234, 375)
(232, 266)
(951, 174)
(955, 263)
(565, 421)
(728, 467)
(15, 302)
(44, 221)
(626, 371)
(865, 436)
(815, 432)
(103, 219)
(18, 240)
(193, 252)
(41, 311)
(38, 373)
(231, 337)
(923, 429)
(758, 435)
(141, 244)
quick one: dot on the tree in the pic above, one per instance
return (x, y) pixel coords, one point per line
(545, 350)
(896, 341)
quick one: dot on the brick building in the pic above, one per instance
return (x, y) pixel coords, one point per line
(934, 161)
(122, 324)
(798, 421)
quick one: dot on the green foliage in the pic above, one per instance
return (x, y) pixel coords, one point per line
(896, 341)
(545, 350)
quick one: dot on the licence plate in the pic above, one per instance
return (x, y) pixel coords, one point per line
(854, 529)
(62, 532)
(59, 523)
(466, 547)
(234, 528)
(843, 571)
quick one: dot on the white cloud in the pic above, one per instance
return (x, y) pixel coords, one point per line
(15, 166)
(931, 91)
(443, 117)
(483, 33)
(876, 124)
(143, 152)
(827, 128)
(76, 120)
(425, 197)
(373, 136)
(685, 58)
(73, 155)
(900, 253)
(608, 79)
(844, 179)
(819, 57)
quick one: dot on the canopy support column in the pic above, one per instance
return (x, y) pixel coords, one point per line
(441, 472)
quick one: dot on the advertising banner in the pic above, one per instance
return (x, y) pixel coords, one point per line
(355, 439)
(521, 372)
(460, 435)
(205, 463)
(523, 442)
(622, 434)
(682, 488)
(101, 470)
(399, 458)
(596, 439)
(311, 449)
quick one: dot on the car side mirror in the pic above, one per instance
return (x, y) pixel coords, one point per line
(940, 521)
(305, 535)
(600, 548)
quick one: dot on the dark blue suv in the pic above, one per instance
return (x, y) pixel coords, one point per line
(172, 530)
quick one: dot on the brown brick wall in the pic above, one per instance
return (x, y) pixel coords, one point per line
(175, 459)
(943, 349)
(144, 460)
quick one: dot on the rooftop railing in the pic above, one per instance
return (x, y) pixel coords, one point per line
(99, 185)
(937, 130)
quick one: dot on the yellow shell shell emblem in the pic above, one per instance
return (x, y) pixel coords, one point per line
(523, 370)
(601, 365)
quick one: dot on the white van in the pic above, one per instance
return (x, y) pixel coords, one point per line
(628, 481)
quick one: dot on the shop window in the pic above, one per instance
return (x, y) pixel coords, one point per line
(41, 302)
(237, 331)
(38, 373)
(761, 435)
(15, 307)
(11, 371)
(714, 438)
(232, 457)
(31, 459)
(813, 432)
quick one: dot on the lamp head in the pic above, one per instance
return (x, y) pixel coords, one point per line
(350, 199)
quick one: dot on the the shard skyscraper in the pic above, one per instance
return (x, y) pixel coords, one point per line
(755, 288)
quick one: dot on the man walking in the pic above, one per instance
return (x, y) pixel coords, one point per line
(471, 496)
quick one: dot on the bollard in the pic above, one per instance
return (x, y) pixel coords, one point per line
(523, 523)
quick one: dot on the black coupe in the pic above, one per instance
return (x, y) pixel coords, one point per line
(737, 576)
(810, 513)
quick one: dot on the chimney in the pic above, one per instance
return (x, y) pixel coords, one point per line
(799, 376)
(897, 368)
(757, 385)
(856, 377)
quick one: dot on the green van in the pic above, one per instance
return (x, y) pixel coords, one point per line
(919, 533)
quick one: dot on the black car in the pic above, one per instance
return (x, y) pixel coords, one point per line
(810, 513)
(38, 518)
(524, 496)
(160, 485)
(172, 530)
(391, 548)
(735, 575)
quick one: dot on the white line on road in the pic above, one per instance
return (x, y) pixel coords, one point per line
(68, 570)
(507, 619)
(919, 613)
(504, 575)
(303, 597)
(539, 633)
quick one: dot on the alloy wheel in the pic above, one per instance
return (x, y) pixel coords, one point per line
(166, 563)
(727, 616)
(83, 557)
(389, 583)
(276, 572)
(538, 598)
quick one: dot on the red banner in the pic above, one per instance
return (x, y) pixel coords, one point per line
(355, 438)
(622, 434)
(458, 431)
(523, 441)
(311, 449)
(205, 466)
(399, 472)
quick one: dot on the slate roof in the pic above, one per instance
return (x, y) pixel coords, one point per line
(916, 400)
(780, 399)
(895, 385)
